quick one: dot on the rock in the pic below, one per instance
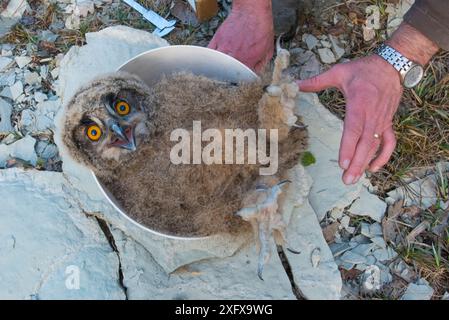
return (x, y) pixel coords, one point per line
(369, 205)
(336, 48)
(445, 296)
(13, 92)
(384, 254)
(32, 78)
(7, 79)
(22, 61)
(363, 249)
(401, 269)
(311, 67)
(352, 257)
(310, 40)
(40, 97)
(5, 117)
(46, 240)
(380, 242)
(422, 192)
(227, 278)
(396, 14)
(46, 150)
(47, 35)
(15, 9)
(326, 55)
(336, 213)
(5, 63)
(22, 149)
(339, 248)
(371, 280)
(371, 230)
(418, 292)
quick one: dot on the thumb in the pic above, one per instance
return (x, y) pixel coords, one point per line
(320, 82)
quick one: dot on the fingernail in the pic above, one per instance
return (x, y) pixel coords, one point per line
(345, 164)
(375, 169)
(348, 179)
(356, 179)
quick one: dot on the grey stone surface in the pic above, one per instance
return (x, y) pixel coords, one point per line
(418, 292)
(22, 149)
(310, 40)
(43, 232)
(326, 55)
(5, 117)
(421, 192)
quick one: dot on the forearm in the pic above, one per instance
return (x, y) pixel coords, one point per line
(256, 7)
(413, 44)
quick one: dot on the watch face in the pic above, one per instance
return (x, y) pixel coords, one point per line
(413, 76)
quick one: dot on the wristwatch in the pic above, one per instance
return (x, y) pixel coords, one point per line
(411, 72)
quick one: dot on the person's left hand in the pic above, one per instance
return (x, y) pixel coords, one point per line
(247, 34)
(372, 89)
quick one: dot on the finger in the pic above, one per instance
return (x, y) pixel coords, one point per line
(353, 127)
(328, 79)
(365, 146)
(263, 63)
(388, 146)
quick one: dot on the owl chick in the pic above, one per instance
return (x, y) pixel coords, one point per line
(121, 129)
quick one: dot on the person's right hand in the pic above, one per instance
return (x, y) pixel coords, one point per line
(247, 34)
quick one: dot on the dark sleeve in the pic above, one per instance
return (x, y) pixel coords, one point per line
(431, 18)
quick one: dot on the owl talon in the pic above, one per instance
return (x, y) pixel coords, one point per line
(265, 220)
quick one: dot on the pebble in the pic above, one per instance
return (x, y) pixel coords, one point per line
(418, 292)
(40, 97)
(371, 280)
(12, 92)
(326, 55)
(4, 63)
(384, 254)
(22, 61)
(22, 149)
(352, 257)
(32, 78)
(46, 150)
(5, 117)
(310, 40)
(338, 50)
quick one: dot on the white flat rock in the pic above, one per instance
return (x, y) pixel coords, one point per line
(4, 63)
(46, 240)
(5, 117)
(418, 292)
(22, 61)
(22, 149)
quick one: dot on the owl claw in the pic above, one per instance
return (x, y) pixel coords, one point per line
(266, 220)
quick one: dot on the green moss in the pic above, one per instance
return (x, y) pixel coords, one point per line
(307, 159)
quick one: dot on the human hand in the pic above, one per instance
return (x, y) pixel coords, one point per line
(372, 89)
(247, 34)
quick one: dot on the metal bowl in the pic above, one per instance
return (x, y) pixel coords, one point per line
(151, 65)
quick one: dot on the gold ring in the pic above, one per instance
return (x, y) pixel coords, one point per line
(376, 136)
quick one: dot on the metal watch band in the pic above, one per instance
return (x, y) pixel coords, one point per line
(393, 57)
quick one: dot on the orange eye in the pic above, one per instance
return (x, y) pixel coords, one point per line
(94, 132)
(122, 108)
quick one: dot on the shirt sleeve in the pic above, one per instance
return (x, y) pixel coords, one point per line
(431, 18)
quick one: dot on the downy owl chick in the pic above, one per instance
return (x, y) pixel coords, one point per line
(121, 129)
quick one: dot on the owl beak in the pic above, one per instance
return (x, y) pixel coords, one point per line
(124, 137)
